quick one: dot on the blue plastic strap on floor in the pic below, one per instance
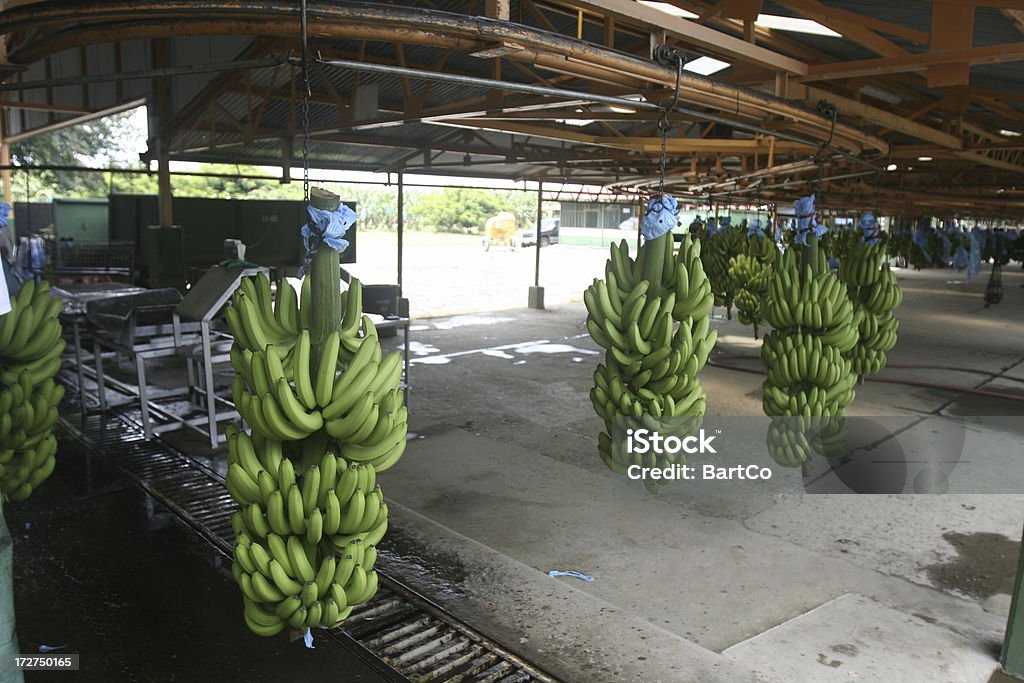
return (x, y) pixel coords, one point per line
(575, 575)
(307, 638)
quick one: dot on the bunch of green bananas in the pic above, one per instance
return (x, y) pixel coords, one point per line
(749, 274)
(838, 243)
(306, 542)
(30, 356)
(807, 373)
(875, 294)
(651, 362)
(717, 251)
(321, 430)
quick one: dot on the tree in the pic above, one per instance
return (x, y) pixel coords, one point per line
(455, 209)
(109, 141)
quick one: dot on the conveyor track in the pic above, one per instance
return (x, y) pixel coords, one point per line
(402, 635)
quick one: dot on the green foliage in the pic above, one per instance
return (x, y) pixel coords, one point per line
(377, 207)
(102, 142)
(453, 209)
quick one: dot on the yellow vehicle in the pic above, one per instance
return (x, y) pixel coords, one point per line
(500, 230)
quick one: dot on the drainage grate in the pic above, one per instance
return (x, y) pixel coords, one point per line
(401, 634)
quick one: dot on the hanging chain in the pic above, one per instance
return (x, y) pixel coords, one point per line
(306, 93)
(828, 110)
(669, 55)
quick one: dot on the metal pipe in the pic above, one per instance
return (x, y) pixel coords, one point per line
(480, 81)
(639, 220)
(144, 74)
(566, 93)
(790, 183)
(275, 179)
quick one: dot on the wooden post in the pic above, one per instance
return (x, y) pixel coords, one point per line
(165, 197)
(5, 159)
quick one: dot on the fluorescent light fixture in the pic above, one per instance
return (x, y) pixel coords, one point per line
(891, 167)
(1009, 133)
(924, 158)
(774, 21)
(880, 94)
(705, 66)
(626, 109)
(575, 122)
(669, 9)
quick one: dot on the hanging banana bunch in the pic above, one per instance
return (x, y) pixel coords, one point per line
(30, 357)
(809, 381)
(650, 314)
(875, 294)
(749, 274)
(719, 248)
(324, 420)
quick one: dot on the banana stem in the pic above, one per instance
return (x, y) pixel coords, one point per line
(811, 254)
(325, 281)
(653, 265)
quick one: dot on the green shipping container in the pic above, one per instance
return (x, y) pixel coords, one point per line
(268, 228)
(81, 219)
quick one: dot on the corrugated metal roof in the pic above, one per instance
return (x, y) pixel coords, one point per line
(241, 123)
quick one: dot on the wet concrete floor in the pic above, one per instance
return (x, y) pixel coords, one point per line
(102, 570)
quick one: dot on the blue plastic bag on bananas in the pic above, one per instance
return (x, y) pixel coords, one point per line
(921, 240)
(980, 238)
(973, 256)
(960, 259)
(328, 226)
(807, 220)
(754, 228)
(872, 233)
(712, 227)
(660, 217)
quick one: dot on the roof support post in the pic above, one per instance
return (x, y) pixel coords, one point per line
(536, 299)
(401, 229)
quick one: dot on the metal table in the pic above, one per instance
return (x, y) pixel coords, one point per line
(204, 303)
(76, 297)
(140, 327)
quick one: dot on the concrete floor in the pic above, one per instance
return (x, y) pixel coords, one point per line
(504, 484)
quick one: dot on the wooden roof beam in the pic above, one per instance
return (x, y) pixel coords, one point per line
(848, 24)
(699, 36)
(881, 117)
(952, 28)
(989, 54)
